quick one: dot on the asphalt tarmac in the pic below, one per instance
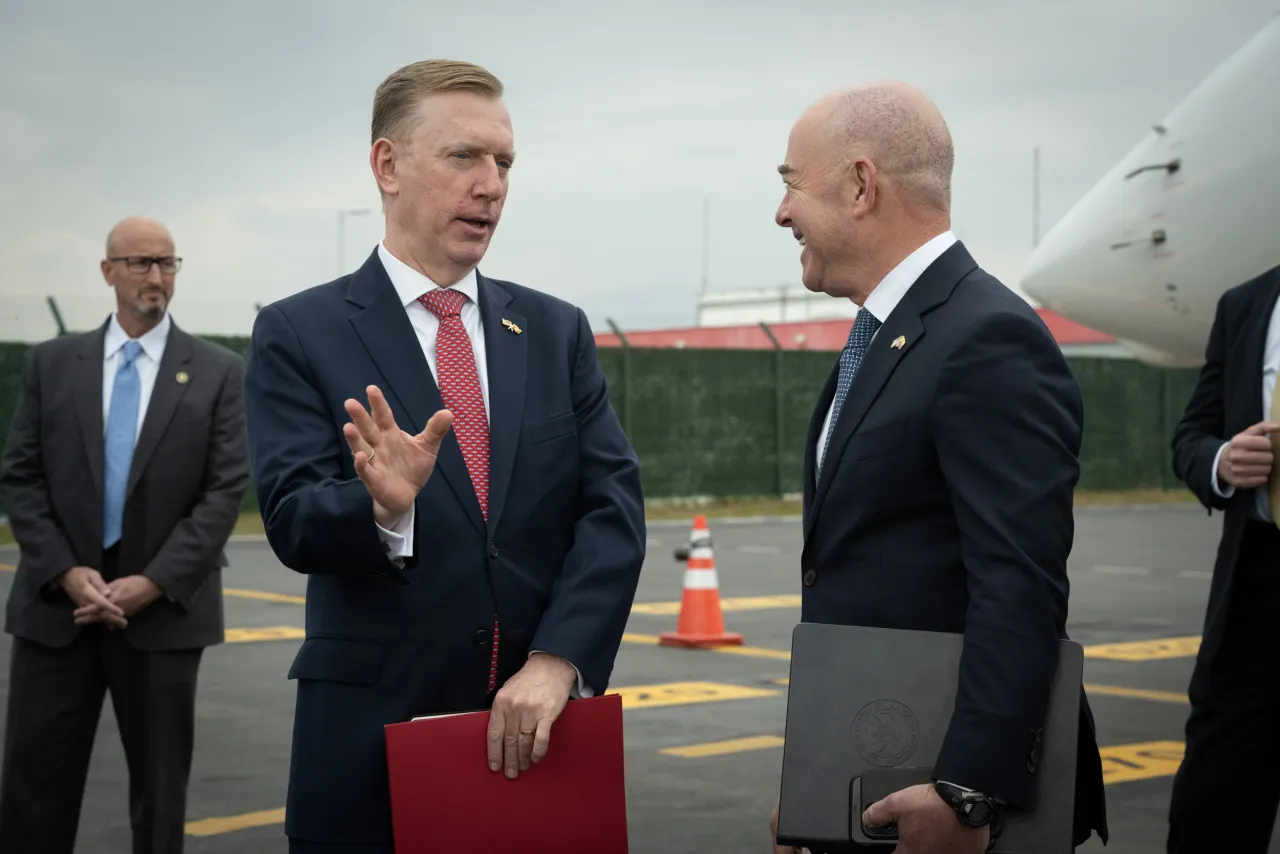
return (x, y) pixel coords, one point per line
(703, 728)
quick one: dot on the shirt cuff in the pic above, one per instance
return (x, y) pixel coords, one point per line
(1213, 474)
(397, 541)
(580, 691)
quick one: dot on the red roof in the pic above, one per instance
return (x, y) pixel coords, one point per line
(806, 335)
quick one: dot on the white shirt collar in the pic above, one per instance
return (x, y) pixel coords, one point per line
(152, 342)
(893, 287)
(410, 284)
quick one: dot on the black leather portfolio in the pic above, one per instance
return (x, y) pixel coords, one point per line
(867, 712)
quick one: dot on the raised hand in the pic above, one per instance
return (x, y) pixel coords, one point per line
(394, 465)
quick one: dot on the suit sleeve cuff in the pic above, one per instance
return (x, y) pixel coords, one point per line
(397, 541)
(1213, 474)
(579, 691)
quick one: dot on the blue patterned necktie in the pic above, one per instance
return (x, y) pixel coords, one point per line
(122, 429)
(864, 326)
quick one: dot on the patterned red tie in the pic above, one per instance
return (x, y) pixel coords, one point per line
(460, 388)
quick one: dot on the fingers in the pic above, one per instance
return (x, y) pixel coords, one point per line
(882, 812)
(383, 417)
(497, 729)
(363, 422)
(540, 741)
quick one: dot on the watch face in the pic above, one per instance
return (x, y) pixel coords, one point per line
(979, 813)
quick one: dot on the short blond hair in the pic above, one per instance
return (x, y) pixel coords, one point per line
(395, 103)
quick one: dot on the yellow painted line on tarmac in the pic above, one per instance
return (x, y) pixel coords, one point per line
(265, 595)
(686, 693)
(1147, 650)
(1124, 762)
(7, 567)
(722, 748)
(732, 603)
(1137, 693)
(217, 826)
(265, 633)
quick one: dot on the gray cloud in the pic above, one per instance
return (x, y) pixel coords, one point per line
(244, 126)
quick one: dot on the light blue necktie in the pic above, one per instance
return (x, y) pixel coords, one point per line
(864, 326)
(122, 428)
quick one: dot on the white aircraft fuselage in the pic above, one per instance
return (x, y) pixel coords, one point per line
(1190, 212)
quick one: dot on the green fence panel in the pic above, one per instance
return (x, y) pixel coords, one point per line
(727, 423)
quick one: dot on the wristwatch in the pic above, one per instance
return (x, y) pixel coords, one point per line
(974, 809)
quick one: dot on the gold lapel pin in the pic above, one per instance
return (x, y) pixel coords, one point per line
(182, 377)
(511, 326)
(899, 342)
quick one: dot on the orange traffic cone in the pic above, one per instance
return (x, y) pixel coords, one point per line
(701, 622)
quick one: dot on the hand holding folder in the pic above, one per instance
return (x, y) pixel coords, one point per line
(445, 797)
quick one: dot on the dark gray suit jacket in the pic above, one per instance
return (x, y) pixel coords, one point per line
(189, 475)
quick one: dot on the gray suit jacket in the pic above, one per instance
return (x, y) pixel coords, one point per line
(188, 479)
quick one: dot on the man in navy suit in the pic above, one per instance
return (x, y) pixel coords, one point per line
(941, 458)
(473, 539)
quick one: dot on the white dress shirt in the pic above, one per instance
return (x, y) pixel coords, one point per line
(147, 363)
(409, 285)
(1270, 368)
(886, 296)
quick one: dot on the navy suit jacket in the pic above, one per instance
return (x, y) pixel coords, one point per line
(945, 504)
(558, 560)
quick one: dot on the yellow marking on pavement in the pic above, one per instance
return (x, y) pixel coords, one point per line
(263, 594)
(1138, 693)
(1124, 762)
(740, 603)
(685, 693)
(216, 826)
(721, 748)
(7, 567)
(265, 633)
(1149, 650)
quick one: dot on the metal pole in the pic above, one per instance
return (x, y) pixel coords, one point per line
(779, 409)
(706, 254)
(626, 376)
(57, 315)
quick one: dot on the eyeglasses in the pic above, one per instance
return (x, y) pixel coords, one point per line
(142, 265)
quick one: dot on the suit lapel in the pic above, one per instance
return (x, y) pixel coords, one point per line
(383, 326)
(877, 366)
(87, 390)
(507, 357)
(165, 396)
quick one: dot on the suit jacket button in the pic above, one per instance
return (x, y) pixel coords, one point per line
(481, 637)
(493, 550)
(809, 578)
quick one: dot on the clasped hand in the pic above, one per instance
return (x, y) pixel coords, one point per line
(393, 465)
(523, 711)
(926, 824)
(110, 604)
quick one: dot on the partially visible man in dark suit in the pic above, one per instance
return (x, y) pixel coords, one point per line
(941, 458)
(473, 539)
(123, 477)
(1224, 449)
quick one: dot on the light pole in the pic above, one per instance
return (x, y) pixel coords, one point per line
(342, 224)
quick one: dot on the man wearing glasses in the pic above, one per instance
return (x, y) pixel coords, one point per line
(122, 477)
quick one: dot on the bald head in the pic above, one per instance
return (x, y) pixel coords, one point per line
(136, 229)
(902, 132)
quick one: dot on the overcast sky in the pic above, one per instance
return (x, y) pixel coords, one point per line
(244, 127)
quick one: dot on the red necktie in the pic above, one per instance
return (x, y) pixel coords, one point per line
(460, 388)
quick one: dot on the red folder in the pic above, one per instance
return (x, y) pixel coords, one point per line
(445, 798)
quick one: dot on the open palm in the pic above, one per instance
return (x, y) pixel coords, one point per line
(393, 464)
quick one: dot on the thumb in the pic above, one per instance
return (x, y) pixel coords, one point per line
(882, 812)
(1262, 428)
(433, 433)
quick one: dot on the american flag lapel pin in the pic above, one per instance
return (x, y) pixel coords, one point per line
(899, 342)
